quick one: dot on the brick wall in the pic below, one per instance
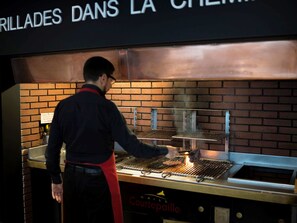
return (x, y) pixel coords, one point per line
(36, 99)
(263, 113)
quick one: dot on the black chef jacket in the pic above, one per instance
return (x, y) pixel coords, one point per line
(89, 124)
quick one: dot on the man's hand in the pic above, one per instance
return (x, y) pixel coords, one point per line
(57, 192)
(172, 152)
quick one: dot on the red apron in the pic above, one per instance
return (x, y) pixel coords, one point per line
(109, 170)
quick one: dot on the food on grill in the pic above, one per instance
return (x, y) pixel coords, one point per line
(165, 162)
(172, 162)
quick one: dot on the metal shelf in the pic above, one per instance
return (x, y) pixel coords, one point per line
(200, 136)
(188, 133)
(156, 135)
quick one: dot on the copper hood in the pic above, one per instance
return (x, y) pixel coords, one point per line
(234, 61)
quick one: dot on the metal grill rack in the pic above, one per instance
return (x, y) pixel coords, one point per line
(200, 169)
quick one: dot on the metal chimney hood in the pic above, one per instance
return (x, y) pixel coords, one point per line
(266, 60)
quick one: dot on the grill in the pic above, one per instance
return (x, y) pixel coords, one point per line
(181, 166)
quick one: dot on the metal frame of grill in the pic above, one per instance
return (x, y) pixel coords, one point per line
(200, 169)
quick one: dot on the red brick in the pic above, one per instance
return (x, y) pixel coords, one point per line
(24, 106)
(62, 85)
(141, 84)
(35, 118)
(52, 104)
(184, 98)
(118, 103)
(29, 125)
(55, 91)
(288, 84)
(217, 120)
(262, 143)
(28, 99)
(39, 105)
(288, 100)
(276, 152)
(236, 84)
(248, 92)
(212, 126)
(141, 97)
(239, 113)
(197, 91)
(131, 103)
(166, 84)
(162, 97)
(116, 91)
(47, 110)
(236, 99)
(226, 106)
(35, 131)
(61, 97)
(47, 98)
(217, 147)
(46, 86)
(240, 142)
(38, 92)
(25, 119)
(277, 122)
(24, 93)
(25, 132)
(264, 84)
(286, 145)
(277, 92)
(131, 91)
(122, 85)
(28, 86)
(26, 145)
(248, 121)
(69, 91)
(165, 124)
(286, 130)
(277, 137)
(276, 107)
(243, 149)
(210, 84)
(248, 135)
(121, 97)
(248, 106)
(144, 122)
(151, 104)
(36, 143)
(222, 91)
(263, 129)
(30, 137)
(263, 99)
(168, 117)
(288, 115)
(210, 98)
(187, 84)
(263, 114)
(29, 112)
(152, 91)
(241, 128)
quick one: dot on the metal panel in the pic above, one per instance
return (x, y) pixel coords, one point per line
(234, 61)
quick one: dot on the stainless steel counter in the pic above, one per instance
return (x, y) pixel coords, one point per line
(226, 185)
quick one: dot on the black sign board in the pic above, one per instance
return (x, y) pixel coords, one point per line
(35, 26)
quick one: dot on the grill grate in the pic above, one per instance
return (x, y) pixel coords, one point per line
(199, 169)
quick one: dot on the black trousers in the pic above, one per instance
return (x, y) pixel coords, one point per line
(87, 197)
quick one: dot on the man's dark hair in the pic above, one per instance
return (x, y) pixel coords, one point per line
(97, 66)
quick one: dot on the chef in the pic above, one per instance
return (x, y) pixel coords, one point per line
(89, 124)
